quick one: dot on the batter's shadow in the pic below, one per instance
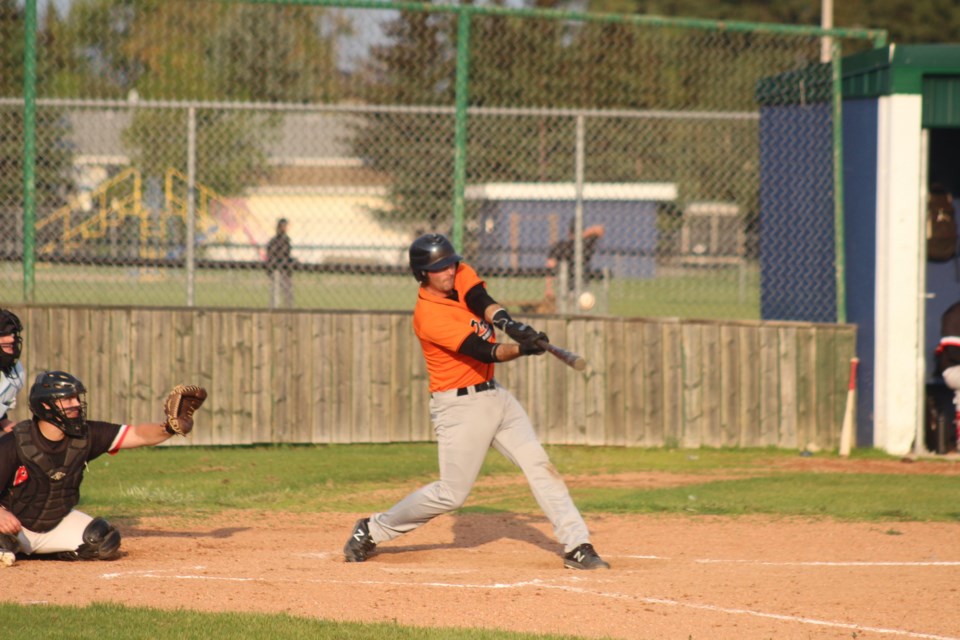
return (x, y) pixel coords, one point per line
(130, 526)
(472, 530)
(223, 532)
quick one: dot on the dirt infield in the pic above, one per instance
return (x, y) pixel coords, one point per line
(672, 576)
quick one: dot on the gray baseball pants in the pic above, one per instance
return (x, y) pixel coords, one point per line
(466, 427)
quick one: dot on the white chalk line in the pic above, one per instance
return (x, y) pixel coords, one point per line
(822, 563)
(811, 563)
(540, 584)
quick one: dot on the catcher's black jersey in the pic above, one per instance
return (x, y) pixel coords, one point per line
(105, 437)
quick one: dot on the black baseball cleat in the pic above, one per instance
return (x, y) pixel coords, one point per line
(360, 545)
(584, 557)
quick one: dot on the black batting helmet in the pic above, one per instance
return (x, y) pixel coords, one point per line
(431, 252)
(10, 326)
(51, 386)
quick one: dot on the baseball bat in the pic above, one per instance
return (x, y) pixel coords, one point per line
(846, 431)
(566, 357)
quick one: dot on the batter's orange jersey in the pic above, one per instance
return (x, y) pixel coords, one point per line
(442, 324)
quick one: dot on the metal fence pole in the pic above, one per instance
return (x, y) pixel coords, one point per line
(191, 222)
(460, 124)
(838, 185)
(578, 213)
(826, 21)
(29, 148)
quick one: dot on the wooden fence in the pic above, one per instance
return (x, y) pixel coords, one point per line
(340, 377)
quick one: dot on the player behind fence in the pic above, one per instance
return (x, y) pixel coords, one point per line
(565, 251)
(454, 318)
(42, 461)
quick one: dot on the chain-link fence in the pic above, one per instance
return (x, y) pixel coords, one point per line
(286, 153)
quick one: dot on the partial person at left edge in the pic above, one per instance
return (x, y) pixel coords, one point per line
(11, 371)
(42, 462)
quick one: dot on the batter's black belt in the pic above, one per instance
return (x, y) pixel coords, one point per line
(464, 391)
(483, 386)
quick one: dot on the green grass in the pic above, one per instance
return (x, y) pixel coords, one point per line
(722, 293)
(244, 289)
(193, 482)
(838, 496)
(196, 481)
(709, 294)
(115, 622)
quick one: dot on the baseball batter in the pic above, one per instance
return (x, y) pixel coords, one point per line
(454, 319)
(42, 463)
(11, 371)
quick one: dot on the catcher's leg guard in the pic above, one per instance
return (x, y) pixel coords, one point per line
(9, 543)
(9, 547)
(101, 541)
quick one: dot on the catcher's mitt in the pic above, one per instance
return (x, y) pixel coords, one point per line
(180, 405)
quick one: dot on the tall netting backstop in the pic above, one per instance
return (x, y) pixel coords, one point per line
(151, 150)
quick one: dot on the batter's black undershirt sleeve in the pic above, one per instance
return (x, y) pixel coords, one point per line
(479, 349)
(478, 300)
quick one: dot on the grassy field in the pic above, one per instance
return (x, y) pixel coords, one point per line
(197, 482)
(115, 622)
(727, 293)
(342, 477)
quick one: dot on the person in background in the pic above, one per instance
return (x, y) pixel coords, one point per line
(564, 251)
(280, 263)
(948, 355)
(11, 371)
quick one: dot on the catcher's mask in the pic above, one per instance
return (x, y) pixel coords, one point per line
(10, 326)
(431, 252)
(51, 386)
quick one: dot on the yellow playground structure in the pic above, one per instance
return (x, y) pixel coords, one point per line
(114, 213)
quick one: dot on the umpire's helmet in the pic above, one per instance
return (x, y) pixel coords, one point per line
(51, 386)
(10, 326)
(431, 252)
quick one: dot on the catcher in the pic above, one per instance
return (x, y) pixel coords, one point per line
(42, 462)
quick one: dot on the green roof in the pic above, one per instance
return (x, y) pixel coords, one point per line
(929, 70)
(897, 69)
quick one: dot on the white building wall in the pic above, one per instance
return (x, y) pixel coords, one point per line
(330, 226)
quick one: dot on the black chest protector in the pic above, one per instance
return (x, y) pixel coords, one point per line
(51, 491)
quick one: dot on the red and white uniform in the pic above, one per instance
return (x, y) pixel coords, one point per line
(16, 474)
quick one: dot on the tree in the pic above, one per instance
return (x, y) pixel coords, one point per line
(907, 21)
(191, 51)
(550, 64)
(414, 149)
(53, 176)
